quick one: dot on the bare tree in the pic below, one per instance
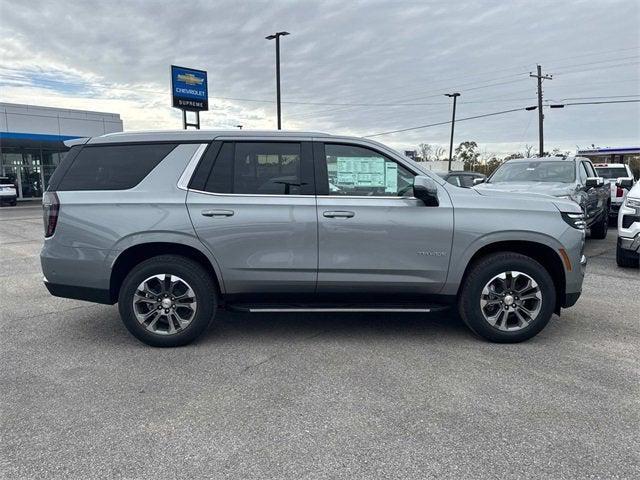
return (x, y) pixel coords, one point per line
(424, 152)
(439, 153)
(528, 149)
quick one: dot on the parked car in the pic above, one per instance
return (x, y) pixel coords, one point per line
(174, 225)
(571, 178)
(8, 192)
(610, 172)
(461, 178)
(628, 248)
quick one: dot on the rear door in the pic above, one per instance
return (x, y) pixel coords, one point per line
(374, 236)
(252, 204)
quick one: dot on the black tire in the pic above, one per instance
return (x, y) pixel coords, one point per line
(601, 227)
(189, 271)
(485, 269)
(626, 258)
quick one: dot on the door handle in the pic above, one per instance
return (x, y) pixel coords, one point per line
(217, 213)
(338, 214)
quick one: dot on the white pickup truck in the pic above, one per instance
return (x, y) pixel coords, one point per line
(628, 249)
(8, 193)
(611, 172)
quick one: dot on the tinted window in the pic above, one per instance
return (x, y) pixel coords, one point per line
(113, 167)
(360, 171)
(221, 176)
(267, 168)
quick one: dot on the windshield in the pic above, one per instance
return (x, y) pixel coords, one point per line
(547, 171)
(612, 172)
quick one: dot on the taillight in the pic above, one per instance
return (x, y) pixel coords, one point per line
(50, 211)
(619, 192)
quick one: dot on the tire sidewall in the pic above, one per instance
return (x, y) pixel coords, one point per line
(482, 273)
(190, 272)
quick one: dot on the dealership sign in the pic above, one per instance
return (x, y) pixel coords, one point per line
(189, 89)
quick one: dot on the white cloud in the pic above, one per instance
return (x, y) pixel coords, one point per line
(115, 56)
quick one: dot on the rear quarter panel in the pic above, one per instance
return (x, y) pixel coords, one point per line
(95, 226)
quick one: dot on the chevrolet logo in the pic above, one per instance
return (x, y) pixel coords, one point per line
(190, 79)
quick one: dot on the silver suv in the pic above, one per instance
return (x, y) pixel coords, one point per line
(174, 225)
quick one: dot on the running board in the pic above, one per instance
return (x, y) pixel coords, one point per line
(335, 309)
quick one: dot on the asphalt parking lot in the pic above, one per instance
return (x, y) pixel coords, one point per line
(314, 396)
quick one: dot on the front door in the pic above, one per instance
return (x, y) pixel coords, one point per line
(256, 212)
(374, 236)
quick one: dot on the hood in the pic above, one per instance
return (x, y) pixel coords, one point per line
(529, 193)
(554, 189)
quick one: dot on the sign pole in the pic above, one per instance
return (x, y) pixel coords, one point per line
(184, 119)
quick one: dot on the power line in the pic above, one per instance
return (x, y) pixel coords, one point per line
(490, 115)
(444, 123)
(598, 68)
(589, 98)
(602, 103)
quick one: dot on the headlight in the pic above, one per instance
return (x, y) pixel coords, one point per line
(576, 220)
(633, 202)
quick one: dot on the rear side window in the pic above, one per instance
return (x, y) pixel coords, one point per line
(113, 167)
(263, 168)
(612, 172)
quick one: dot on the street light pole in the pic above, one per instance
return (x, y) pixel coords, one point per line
(453, 124)
(277, 36)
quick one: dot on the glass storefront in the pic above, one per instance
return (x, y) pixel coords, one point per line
(29, 167)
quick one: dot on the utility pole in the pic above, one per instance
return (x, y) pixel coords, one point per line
(277, 36)
(453, 124)
(540, 77)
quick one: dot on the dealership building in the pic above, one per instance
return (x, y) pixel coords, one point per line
(31, 141)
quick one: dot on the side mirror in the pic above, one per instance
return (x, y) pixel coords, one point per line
(625, 183)
(426, 190)
(478, 181)
(594, 182)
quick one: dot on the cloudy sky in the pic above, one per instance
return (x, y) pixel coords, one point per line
(348, 67)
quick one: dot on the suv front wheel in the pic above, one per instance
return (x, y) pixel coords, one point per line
(167, 301)
(507, 297)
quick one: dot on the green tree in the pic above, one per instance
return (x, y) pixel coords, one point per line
(468, 153)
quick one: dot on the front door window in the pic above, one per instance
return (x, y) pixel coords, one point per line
(359, 171)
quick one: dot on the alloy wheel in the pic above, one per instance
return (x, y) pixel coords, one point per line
(164, 304)
(510, 301)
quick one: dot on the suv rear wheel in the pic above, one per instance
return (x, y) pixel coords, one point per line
(507, 297)
(167, 301)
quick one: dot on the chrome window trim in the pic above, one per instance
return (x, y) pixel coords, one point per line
(185, 178)
(271, 195)
(248, 194)
(377, 197)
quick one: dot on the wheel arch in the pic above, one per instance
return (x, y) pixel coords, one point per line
(544, 254)
(134, 254)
